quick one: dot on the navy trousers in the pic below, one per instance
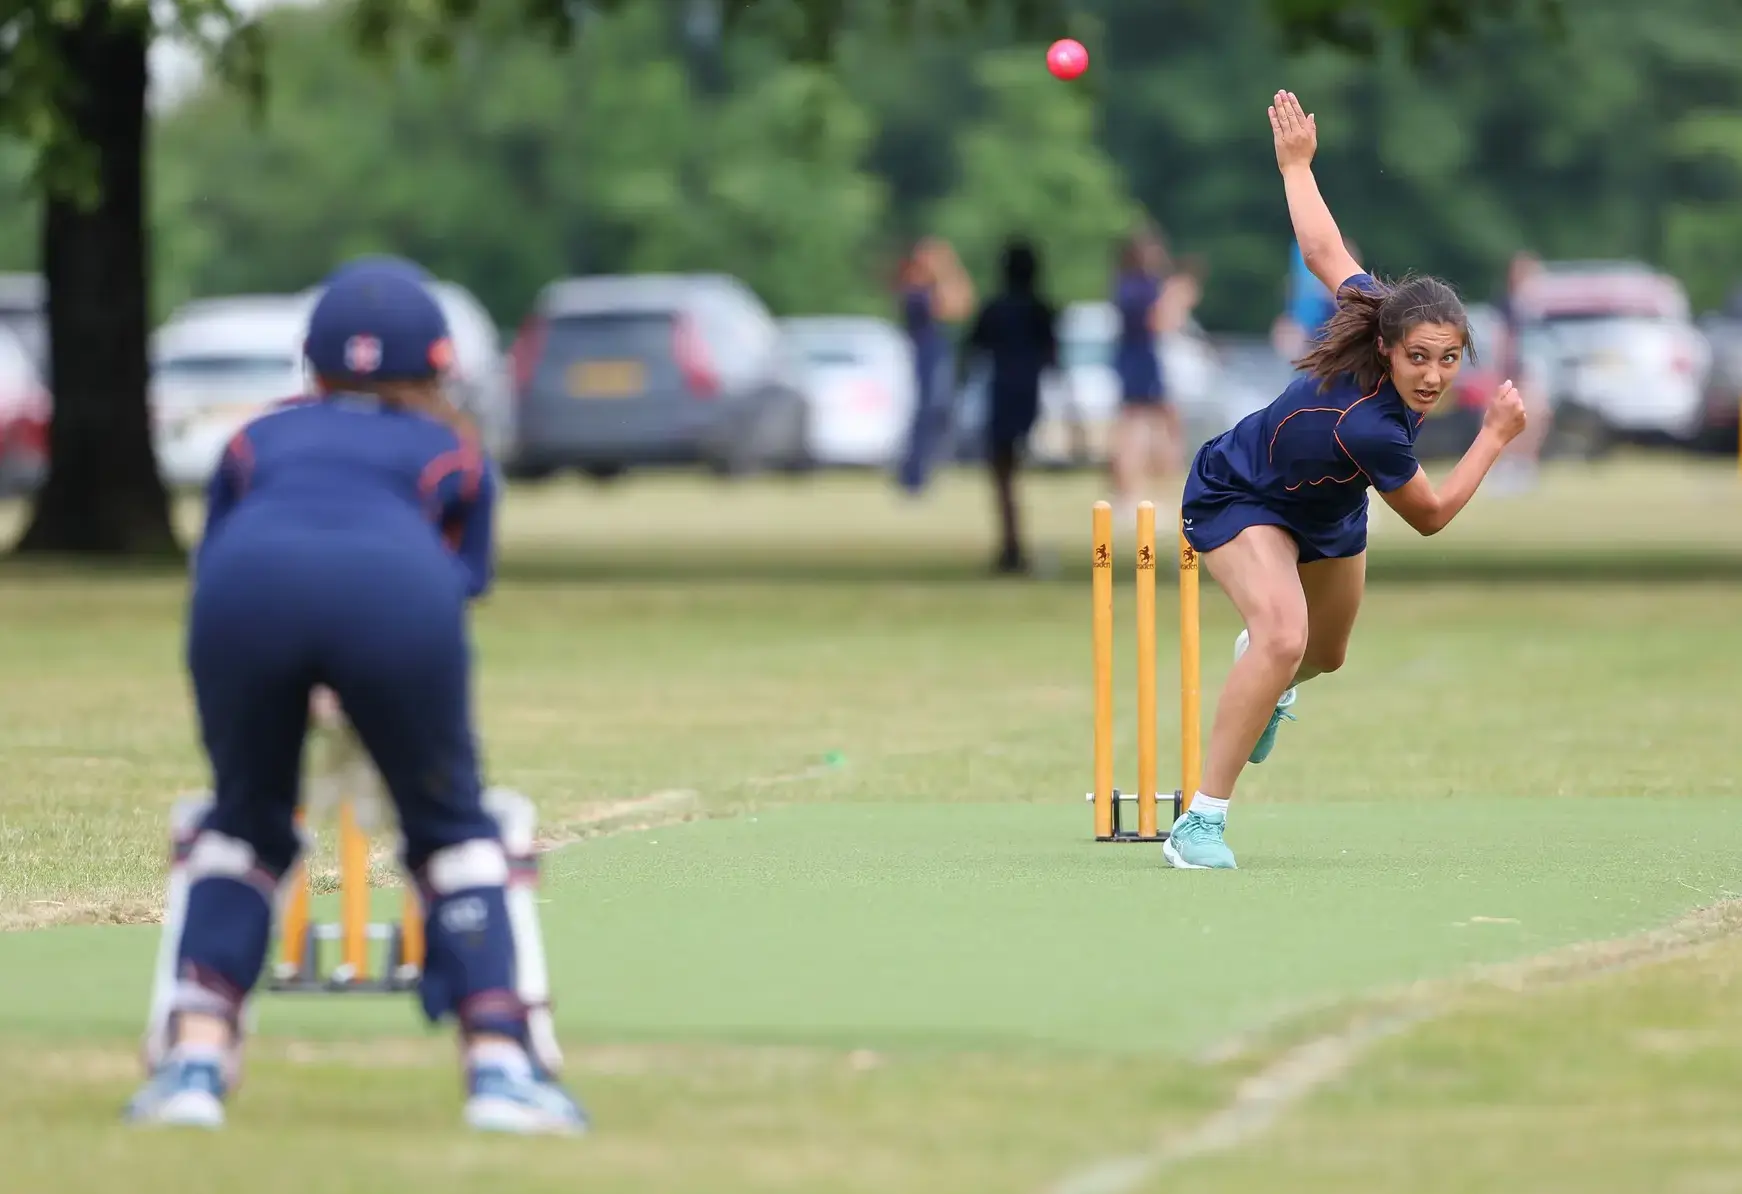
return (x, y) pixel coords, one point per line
(376, 614)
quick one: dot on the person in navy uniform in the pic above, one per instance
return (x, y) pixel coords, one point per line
(1277, 504)
(1017, 331)
(934, 291)
(346, 532)
(1151, 301)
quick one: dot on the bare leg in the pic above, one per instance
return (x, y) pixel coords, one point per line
(1003, 462)
(1167, 440)
(1333, 591)
(1258, 570)
(1130, 433)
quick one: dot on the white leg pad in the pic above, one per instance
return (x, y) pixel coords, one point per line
(184, 820)
(517, 821)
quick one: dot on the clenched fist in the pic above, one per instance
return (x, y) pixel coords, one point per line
(1505, 415)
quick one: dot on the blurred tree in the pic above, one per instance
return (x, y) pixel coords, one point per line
(1033, 166)
(1614, 132)
(75, 75)
(785, 202)
(602, 152)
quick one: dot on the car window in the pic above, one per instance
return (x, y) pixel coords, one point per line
(240, 379)
(31, 328)
(824, 354)
(224, 366)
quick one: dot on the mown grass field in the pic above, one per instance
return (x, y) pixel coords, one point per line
(821, 902)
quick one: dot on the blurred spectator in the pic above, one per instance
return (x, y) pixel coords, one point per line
(935, 290)
(1516, 469)
(1150, 304)
(1018, 331)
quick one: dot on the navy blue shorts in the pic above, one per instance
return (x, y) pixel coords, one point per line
(1140, 382)
(1214, 513)
(1012, 417)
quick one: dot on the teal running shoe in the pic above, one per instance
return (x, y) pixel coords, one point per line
(1195, 843)
(521, 1100)
(183, 1092)
(1266, 740)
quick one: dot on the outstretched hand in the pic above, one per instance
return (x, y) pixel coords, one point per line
(1505, 414)
(1296, 132)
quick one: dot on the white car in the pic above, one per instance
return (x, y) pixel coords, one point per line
(217, 363)
(860, 387)
(1617, 346)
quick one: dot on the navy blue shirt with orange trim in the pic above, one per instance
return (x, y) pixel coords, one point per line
(1314, 451)
(346, 462)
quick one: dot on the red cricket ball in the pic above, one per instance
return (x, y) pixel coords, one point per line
(1067, 58)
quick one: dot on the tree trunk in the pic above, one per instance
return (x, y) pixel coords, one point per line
(103, 494)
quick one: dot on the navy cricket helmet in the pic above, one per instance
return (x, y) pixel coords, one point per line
(376, 320)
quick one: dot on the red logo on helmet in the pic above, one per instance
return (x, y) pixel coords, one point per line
(441, 354)
(362, 355)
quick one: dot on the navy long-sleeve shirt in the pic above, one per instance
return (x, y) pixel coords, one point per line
(349, 463)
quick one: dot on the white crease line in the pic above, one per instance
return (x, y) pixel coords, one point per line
(1259, 1102)
(1310, 1067)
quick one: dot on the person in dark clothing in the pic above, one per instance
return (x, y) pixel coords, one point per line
(347, 532)
(935, 291)
(1017, 331)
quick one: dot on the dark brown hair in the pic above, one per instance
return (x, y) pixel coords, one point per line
(1366, 318)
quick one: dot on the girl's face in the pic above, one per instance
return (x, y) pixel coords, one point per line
(1424, 363)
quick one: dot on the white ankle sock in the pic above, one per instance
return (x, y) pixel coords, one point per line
(1209, 804)
(503, 1054)
(199, 1053)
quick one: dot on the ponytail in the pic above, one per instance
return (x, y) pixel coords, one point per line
(1371, 318)
(1349, 343)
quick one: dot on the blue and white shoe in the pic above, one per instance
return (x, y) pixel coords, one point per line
(184, 1092)
(1195, 843)
(1266, 740)
(522, 1101)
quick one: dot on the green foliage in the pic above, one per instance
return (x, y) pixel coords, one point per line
(42, 81)
(479, 140)
(1033, 166)
(514, 163)
(783, 200)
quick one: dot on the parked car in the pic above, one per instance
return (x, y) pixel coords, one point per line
(24, 312)
(1721, 404)
(219, 362)
(860, 387)
(1619, 353)
(481, 382)
(24, 416)
(621, 372)
(215, 365)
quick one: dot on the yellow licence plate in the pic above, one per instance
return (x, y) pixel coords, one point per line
(606, 379)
